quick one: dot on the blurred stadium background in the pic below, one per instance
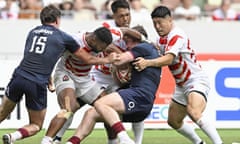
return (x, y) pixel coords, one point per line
(217, 46)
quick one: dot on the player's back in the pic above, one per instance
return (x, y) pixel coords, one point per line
(148, 79)
(43, 47)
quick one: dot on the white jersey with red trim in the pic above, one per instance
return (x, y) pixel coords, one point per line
(72, 63)
(102, 73)
(185, 65)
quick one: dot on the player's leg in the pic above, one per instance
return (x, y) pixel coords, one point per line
(68, 104)
(109, 107)
(59, 135)
(36, 119)
(13, 95)
(36, 103)
(112, 136)
(138, 130)
(6, 108)
(57, 139)
(85, 127)
(176, 114)
(196, 105)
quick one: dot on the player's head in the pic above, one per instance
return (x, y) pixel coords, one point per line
(121, 13)
(162, 20)
(100, 39)
(132, 41)
(50, 14)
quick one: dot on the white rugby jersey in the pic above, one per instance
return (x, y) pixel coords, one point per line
(72, 63)
(185, 64)
(117, 41)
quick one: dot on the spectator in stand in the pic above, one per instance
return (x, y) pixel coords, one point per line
(138, 11)
(84, 10)
(224, 12)
(10, 11)
(106, 12)
(66, 8)
(29, 9)
(187, 10)
(171, 4)
(210, 6)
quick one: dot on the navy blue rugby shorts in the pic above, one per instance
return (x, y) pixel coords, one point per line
(35, 93)
(137, 104)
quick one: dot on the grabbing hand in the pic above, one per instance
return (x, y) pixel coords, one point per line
(113, 57)
(140, 64)
(51, 86)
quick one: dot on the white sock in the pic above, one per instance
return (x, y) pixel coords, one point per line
(47, 140)
(113, 141)
(66, 125)
(138, 129)
(209, 130)
(188, 131)
(16, 135)
(123, 136)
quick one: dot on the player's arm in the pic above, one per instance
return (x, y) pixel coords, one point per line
(90, 59)
(131, 32)
(142, 63)
(124, 58)
(112, 48)
(51, 86)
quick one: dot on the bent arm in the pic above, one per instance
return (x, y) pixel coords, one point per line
(142, 63)
(161, 61)
(124, 58)
(90, 59)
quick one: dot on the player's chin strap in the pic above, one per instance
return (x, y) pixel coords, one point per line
(64, 114)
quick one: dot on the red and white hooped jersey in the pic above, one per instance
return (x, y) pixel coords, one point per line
(117, 41)
(185, 64)
(72, 63)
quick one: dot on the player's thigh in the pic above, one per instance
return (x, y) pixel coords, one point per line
(89, 90)
(37, 116)
(67, 99)
(63, 80)
(196, 102)
(176, 111)
(65, 90)
(114, 100)
(6, 107)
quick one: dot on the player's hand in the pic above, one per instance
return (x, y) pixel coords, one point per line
(51, 86)
(113, 57)
(140, 64)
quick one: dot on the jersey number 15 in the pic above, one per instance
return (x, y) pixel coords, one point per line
(38, 44)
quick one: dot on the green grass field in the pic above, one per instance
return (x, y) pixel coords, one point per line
(161, 136)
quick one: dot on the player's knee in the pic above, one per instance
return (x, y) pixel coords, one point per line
(64, 114)
(91, 112)
(194, 114)
(174, 124)
(36, 127)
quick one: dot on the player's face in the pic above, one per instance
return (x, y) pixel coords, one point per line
(129, 42)
(162, 25)
(122, 17)
(98, 46)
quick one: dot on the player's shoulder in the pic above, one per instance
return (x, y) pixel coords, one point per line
(109, 24)
(177, 31)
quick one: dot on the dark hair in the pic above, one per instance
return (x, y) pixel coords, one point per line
(119, 4)
(49, 14)
(161, 12)
(141, 29)
(104, 35)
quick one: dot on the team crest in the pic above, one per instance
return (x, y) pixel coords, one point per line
(65, 78)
